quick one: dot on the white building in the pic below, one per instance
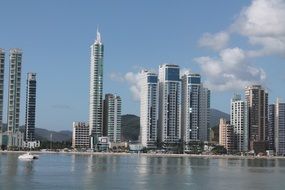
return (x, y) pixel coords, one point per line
(14, 91)
(279, 128)
(238, 115)
(149, 109)
(80, 135)
(195, 109)
(96, 90)
(169, 129)
(112, 117)
(31, 144)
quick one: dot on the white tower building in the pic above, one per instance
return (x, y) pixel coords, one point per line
(96, 90)
(169, 129)
(149, 109)
(14, 96)
(239, 117)
(112, 117)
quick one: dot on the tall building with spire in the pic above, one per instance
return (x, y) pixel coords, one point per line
(2, 65)
(30, 107)
(96, 90)
(149, 109)
(169, 129)
(14, 91)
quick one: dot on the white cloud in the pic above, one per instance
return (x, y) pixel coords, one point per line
(216, 41)
(184, 71)
(132, 79)
(230, 71)
(263, 24)
(118, 77)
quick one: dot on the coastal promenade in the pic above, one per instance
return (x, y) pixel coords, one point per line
(148, 155)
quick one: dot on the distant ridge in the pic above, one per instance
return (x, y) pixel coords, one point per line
(216, 115)
(130, 128)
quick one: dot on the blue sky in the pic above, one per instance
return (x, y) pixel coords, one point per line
(231, 43)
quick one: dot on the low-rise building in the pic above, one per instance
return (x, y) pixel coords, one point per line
(80, 135)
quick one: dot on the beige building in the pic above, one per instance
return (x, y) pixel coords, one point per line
(226, 135)
(80, 135)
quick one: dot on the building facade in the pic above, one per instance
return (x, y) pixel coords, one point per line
(238, 115)
(14, 91)
(169, 129)
(280, 128)
(204, 114)
(80, 135)
(271, 126)
(30, 107)
(112, 118)
(149, 109)
(195, 109)
(2, 69)
(257, 103)
(226, 135)
(96, 90)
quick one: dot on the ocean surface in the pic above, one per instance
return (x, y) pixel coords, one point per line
(68, 171)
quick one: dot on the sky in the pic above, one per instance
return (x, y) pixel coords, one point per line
(230, 43)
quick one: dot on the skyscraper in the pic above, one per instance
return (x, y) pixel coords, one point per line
(204, 114)
(169, 129)
(112, 117)
(2, 65)
(149, 109)
(271, 126)
(239, 116)
(96, 90)
(14, 94)
(280, 128)
(257, 102)
(195, 109)
(30, 107)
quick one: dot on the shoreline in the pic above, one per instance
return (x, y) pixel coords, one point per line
(149, 155)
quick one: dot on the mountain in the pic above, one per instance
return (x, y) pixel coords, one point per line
(216, 115)
(130, 127)
(55, 136)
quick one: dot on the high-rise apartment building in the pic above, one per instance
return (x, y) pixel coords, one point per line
(80, 135)
(271, 126)
(257, 103)
(149, 109)
(238, 115)
(96, 90)
(112, 118)
(169, 129)
(280, 128)
(195, 109)
(226, 135)
(204, 114)
(2, 66)
(30, 107)
(14, 90)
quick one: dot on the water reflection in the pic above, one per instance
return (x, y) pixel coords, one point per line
(55, 171)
